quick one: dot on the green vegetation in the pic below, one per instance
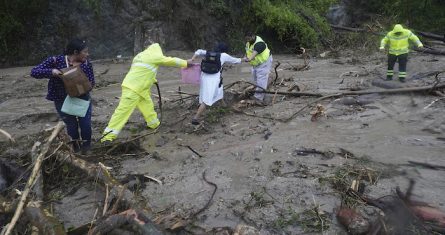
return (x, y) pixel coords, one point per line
(295, 22)
(215, 113)
(425, 15)
(18, 19)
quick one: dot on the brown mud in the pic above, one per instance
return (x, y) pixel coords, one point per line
(264, 178)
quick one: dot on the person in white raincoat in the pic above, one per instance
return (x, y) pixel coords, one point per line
(211, 88)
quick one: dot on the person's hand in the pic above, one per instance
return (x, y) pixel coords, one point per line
(189, 63)
(56, 73)
(382, 48)
(245, 59)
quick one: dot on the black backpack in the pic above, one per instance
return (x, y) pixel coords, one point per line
(211, 63)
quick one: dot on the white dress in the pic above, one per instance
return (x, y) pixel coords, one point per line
(209, 90)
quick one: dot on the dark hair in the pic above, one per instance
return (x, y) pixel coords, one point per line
(221, 47)
(249, 34)
(75, 45)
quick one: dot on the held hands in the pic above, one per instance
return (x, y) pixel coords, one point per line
(190, 63)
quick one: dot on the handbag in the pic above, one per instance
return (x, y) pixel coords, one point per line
(75, 81)
(75, 106)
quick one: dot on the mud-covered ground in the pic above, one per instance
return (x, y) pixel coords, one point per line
(263, 177)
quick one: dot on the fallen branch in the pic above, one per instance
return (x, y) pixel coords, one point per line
(276, 72)
(191, 149)
(427, 165)
(177, 222)
(7, 135)
(430, 51)
(432, 36)
(32, 178)
(297, 94)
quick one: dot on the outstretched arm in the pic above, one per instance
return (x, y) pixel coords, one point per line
(173, 62)
(46, 69)
(199, 53)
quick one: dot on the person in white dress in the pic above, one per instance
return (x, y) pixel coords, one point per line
(211, 88)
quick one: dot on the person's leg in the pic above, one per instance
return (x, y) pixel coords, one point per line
(262, 77)
(403, 60)
(127, 103)
(391, 62)
(146, 107)
(71, 123)
(85, 130)
(201, 109)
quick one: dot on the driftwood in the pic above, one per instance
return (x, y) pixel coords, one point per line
(388, 91)
(427, 89)
(7, 135)
(276, 72)
(97, 171)
(430, 51)
(431, 35)
(32, 178)
(118, 191)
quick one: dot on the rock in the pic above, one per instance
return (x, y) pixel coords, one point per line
(242, 229)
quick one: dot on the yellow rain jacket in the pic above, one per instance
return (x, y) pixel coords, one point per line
(259, 58)
(142, 74)
(136, 90)
(398, 40)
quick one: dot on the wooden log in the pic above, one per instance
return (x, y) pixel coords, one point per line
(431, 35)
(388, 91)
(430, 51)
(118, 191)
(32, 178)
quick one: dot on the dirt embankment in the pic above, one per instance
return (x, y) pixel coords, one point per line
(266, 171)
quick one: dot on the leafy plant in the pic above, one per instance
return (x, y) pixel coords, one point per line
(298, 22)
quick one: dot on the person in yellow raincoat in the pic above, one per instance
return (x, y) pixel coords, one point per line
(136, 89)
(398, 42)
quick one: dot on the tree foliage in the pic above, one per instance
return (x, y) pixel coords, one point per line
(425, 15)
(16, 18)
(299, 22)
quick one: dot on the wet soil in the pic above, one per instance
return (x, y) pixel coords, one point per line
(263, 178)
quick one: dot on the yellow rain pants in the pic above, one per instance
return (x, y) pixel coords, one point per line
(128, 102)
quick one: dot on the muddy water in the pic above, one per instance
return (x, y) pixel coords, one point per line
(250, 156)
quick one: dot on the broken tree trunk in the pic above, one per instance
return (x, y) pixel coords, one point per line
(430, 51)
(432, 35)
(388, 91)
(32, 178)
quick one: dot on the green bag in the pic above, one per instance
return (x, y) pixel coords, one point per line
(75, 106)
